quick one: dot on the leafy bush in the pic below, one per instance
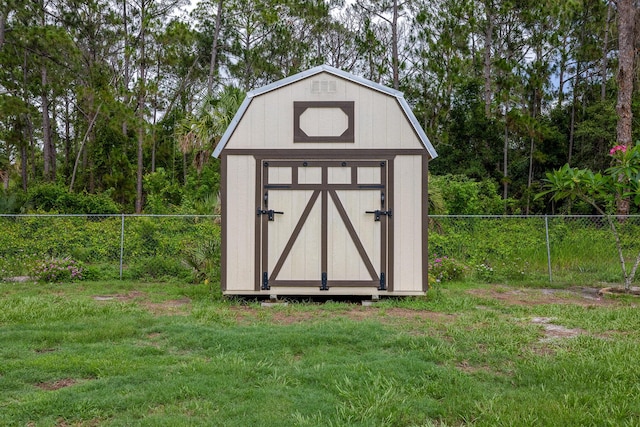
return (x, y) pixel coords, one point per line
(58, 270)
(56, 198)
(446, 269)
(10, 202)
(204, 258)
(163, 193)
(464, 196)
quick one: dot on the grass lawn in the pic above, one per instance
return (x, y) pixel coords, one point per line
(128, 354)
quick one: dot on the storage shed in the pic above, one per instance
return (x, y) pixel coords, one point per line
(324, 190)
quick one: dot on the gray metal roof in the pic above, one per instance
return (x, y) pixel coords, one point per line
(339, 73)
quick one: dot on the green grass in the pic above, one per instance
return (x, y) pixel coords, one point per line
(465, 355)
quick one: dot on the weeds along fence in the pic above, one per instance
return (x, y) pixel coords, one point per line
(576, 249)
(110, 246)
(561, 249)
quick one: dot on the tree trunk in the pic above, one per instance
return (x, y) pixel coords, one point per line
(214, 48)
(155, 119)
(562, 66)
(140, 108)
(28, 131)
(626, 29)
(67, 135)
(488, 44)
(572, 123)
(505, 157)
(127, 56)
(395, 62)
(82, 145)
(626, 33)
(184, 169)
(48, 151)
(23, 165)
(3, 21)
(603, 59)
(532, 146)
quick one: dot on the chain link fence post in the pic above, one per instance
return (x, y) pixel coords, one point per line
(121, 244)
(546, 228)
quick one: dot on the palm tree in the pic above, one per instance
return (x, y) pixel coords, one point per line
(200, 132)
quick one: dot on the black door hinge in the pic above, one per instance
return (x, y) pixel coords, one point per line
(323, 285)
(265, 282)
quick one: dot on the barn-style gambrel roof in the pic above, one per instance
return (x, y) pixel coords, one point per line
(338, 73)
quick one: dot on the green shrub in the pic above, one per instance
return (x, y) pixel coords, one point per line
(203, 258)
(11, 201)
(464, 196)
(163, 193)
(58, 199)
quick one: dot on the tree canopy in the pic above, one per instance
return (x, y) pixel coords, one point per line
(123, 98)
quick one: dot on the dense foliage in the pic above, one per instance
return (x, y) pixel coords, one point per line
(126, 98)
(151, 247)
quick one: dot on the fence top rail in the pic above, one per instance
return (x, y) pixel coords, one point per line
(109, 215)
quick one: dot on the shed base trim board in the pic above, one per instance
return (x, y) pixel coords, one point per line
(336, 291)
(317, 284)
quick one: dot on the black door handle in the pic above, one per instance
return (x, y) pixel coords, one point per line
(270, 213)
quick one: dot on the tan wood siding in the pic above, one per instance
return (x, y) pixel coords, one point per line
(280, 175)
(303, 262)
(379, 119)
(340, 175)
(408, 222)
(345, 261)
(368, 175)
(309, 175)
(240, 218)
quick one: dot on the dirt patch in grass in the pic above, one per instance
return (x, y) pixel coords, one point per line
(553, 331)
(616, 290)
(129, 296)
(172, 307)
(56, 385)
(389, 315)
(583, 296)
(469, 368)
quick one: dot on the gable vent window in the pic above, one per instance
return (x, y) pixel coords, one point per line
(323, 86)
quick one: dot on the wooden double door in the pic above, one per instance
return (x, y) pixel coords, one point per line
(324, 223)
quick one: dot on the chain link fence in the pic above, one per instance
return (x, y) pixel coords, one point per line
(108, 246)
(572, 250)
